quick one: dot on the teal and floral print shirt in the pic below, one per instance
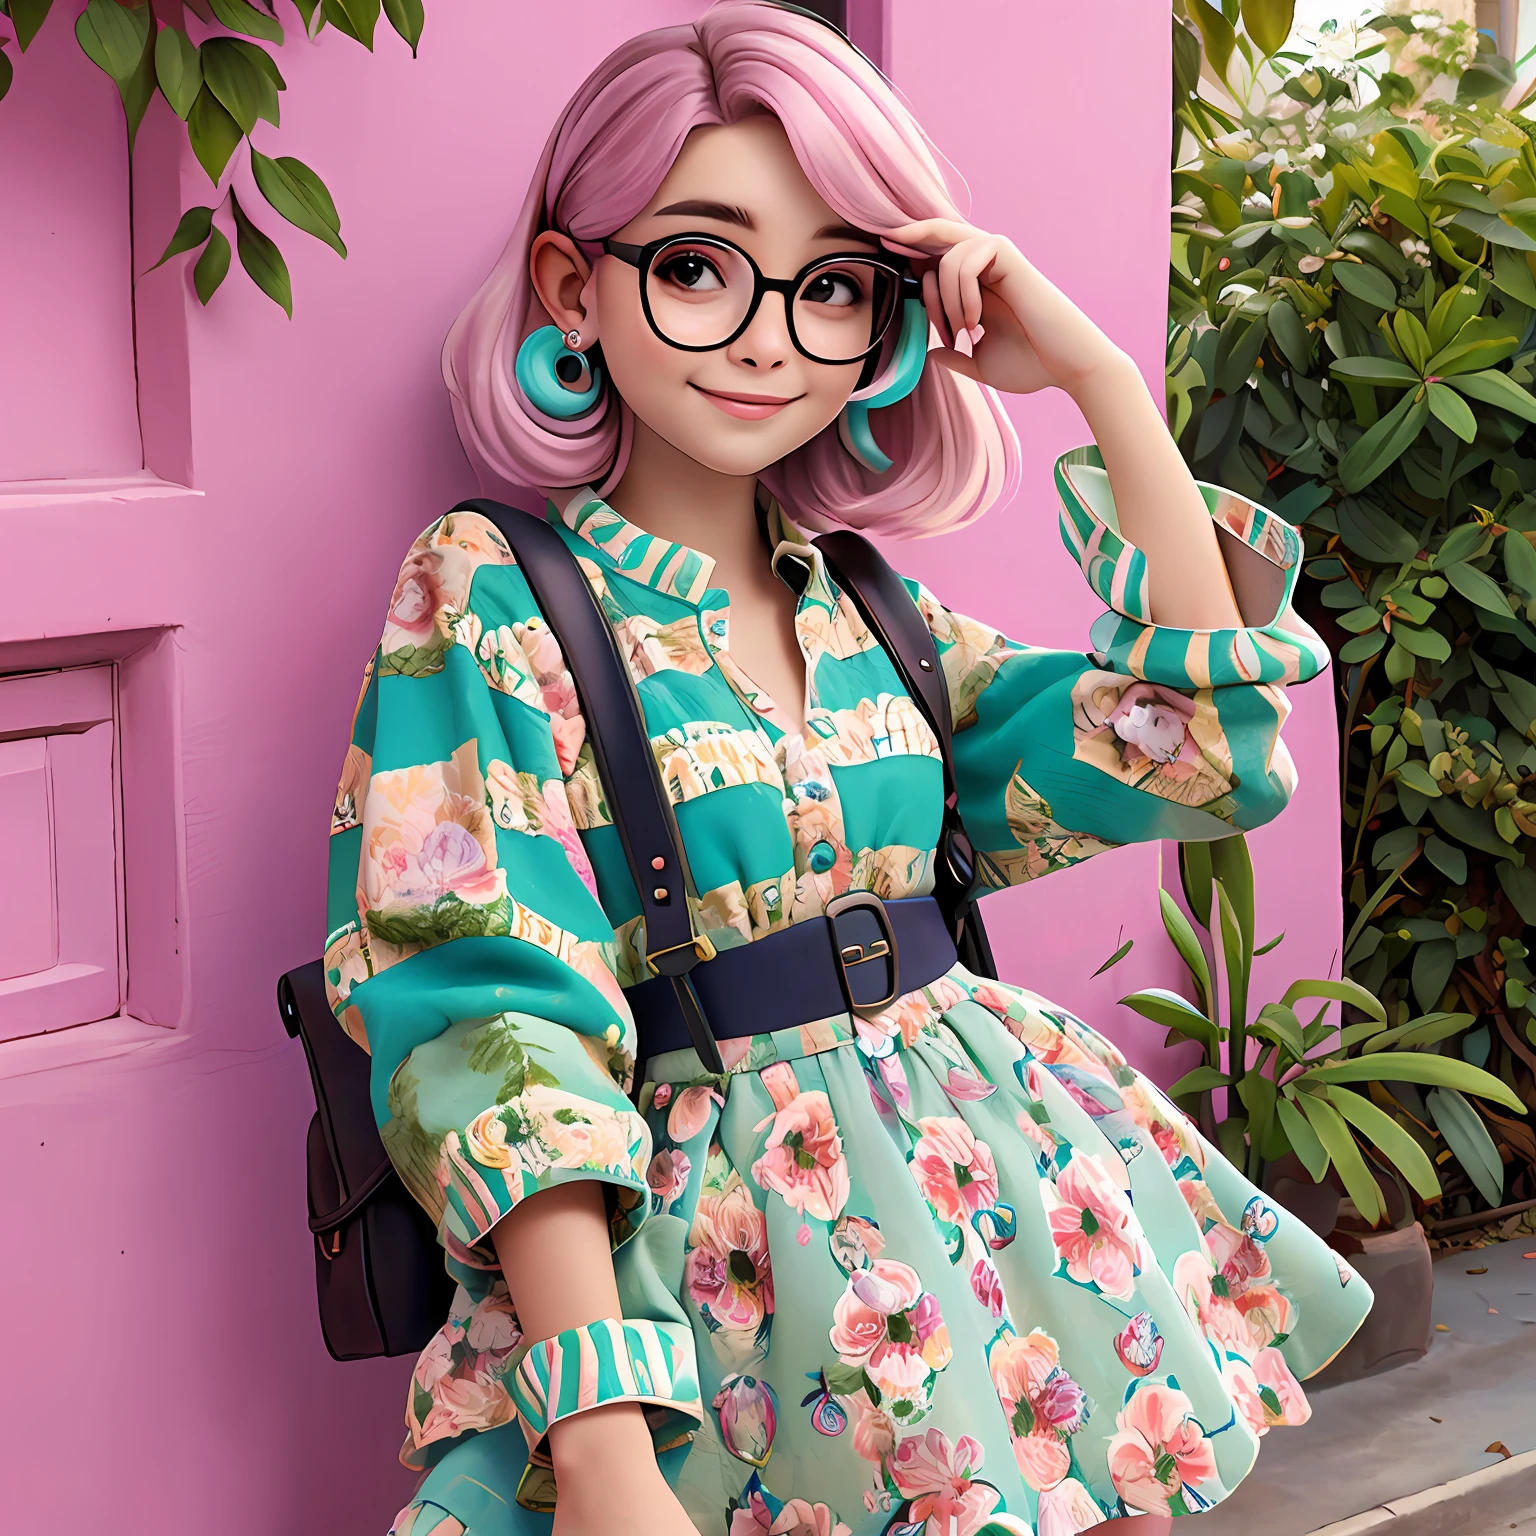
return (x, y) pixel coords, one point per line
(484, 925)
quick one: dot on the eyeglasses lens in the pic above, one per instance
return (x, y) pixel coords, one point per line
(700, 293)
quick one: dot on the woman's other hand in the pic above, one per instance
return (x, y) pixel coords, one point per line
(1033, 335)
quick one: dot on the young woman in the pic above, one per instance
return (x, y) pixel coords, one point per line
(945, 1267)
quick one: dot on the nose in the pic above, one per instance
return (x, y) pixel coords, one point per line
(765, 343)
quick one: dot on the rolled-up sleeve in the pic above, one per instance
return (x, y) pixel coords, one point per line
(1154, 732)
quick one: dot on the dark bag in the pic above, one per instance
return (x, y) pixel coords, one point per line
(378, 1271)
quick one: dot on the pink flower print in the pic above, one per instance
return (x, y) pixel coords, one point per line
(987, 1286)
(1267, 1314)
(801, 1518)
(874, 1430)
(954, 1170)
(1092, 1227)
(477, 1401)
(493, 1326)
(1218, 1318)
(994, 999)
(872, 1295)
(668, 1175)
(1139, 1345)
(558, 824)
(939, 1479)
(803, 1160)
(663, 1095)
(967, 1085)
(1284, 1400)
(893, 1074)
(1243, 1388)
(452, 859)
(434, 1362)
(417, 597)
(1042, 1403)
(1153, 721)
(1068, 1509)
(749, 1418)
(1238, 1258)
(728, 1267)
(690, 1111)
(1158, 1450)
(1035, 1132)
(569, 732)
(901, 1376)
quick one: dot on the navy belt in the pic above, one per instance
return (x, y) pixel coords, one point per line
(863, 955)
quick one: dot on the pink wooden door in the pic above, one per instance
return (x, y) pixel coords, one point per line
(200, 527)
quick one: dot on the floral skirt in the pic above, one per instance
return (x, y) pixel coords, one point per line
(956, 1269)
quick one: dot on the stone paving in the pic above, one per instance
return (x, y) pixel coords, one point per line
(1385, 1437)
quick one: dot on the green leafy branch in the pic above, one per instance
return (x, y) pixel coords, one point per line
(220, 89)
(1295, 1087)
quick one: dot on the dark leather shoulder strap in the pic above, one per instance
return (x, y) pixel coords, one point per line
(882, 598)
(621, 746)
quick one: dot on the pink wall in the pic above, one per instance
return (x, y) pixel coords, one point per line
(166, 1368)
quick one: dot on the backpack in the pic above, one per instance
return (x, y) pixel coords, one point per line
(379, 1276)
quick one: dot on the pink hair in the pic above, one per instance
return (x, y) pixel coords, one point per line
(954, 450)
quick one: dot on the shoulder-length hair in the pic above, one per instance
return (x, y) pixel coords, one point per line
(953, 448)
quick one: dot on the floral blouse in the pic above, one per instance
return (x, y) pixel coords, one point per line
(484, 925)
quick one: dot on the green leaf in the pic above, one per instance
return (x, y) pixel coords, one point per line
(1466, 541)
(213, 133)
(1339, 991)
(1411, 338)
(1362, 646)
(27, 16)
(1494, 229)
(262, 260)
(1468, 824)
(1201, 1080)
(300, 196)
(1216, 31)
(1512, 274)
(1416, 776)
(1117, 957)
(1383, 444)
(1289, 334)
(357, 18)
(1450, 408)
(1520, 562)
(240, 17)
(1374, 370)
(113, 37)
(1371, 532)
(179, 68)
(1303, 1139)
(1173, 1012)
(1476, 586)
(1187, 944)
(1264, 949)
(1520, 886)
(1366, 283)
(1467, 1136)
(1236, 948)
(1421, 641)
(1281, 1022)
(1413, 1067)
(191, 231)
(1340, 1146)
(1479, 344)
(1383, 1132)
(1433, 962)
(407, 18)
(212, 266)
(1496, 389)
(1268, 23)
(1195, 876)
(7, 73)
(245, 89)
(1232, 864)
(139, 90)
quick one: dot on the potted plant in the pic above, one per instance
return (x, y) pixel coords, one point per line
(1316, 1111)
(1353, 307)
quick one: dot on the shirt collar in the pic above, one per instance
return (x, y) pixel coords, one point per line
(675, 569)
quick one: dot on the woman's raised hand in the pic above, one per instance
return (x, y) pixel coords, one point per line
(1033, 334)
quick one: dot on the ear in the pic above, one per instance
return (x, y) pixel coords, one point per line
(559, 273)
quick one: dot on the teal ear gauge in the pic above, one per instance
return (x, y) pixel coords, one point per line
(538, 374)
(911, 353)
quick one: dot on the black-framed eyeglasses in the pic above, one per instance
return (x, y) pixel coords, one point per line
(700, 292)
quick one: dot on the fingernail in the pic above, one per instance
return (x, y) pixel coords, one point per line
(963, 343)
(976, 333)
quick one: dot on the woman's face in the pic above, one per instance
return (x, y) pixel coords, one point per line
(741, 182)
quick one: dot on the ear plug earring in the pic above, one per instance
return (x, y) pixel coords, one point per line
(556, 378)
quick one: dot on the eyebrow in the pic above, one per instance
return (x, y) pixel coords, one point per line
(702, 208)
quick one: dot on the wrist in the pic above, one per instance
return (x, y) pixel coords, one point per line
(1108, 374)
(613, 1436)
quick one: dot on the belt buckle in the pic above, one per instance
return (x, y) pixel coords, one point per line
(862, 935)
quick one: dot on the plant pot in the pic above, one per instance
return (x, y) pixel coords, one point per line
(1397, 1330)
(1395, 1263)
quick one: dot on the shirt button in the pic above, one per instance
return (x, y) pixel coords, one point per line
(822, 857)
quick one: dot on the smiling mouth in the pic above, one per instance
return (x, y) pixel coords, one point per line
(749, 407)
